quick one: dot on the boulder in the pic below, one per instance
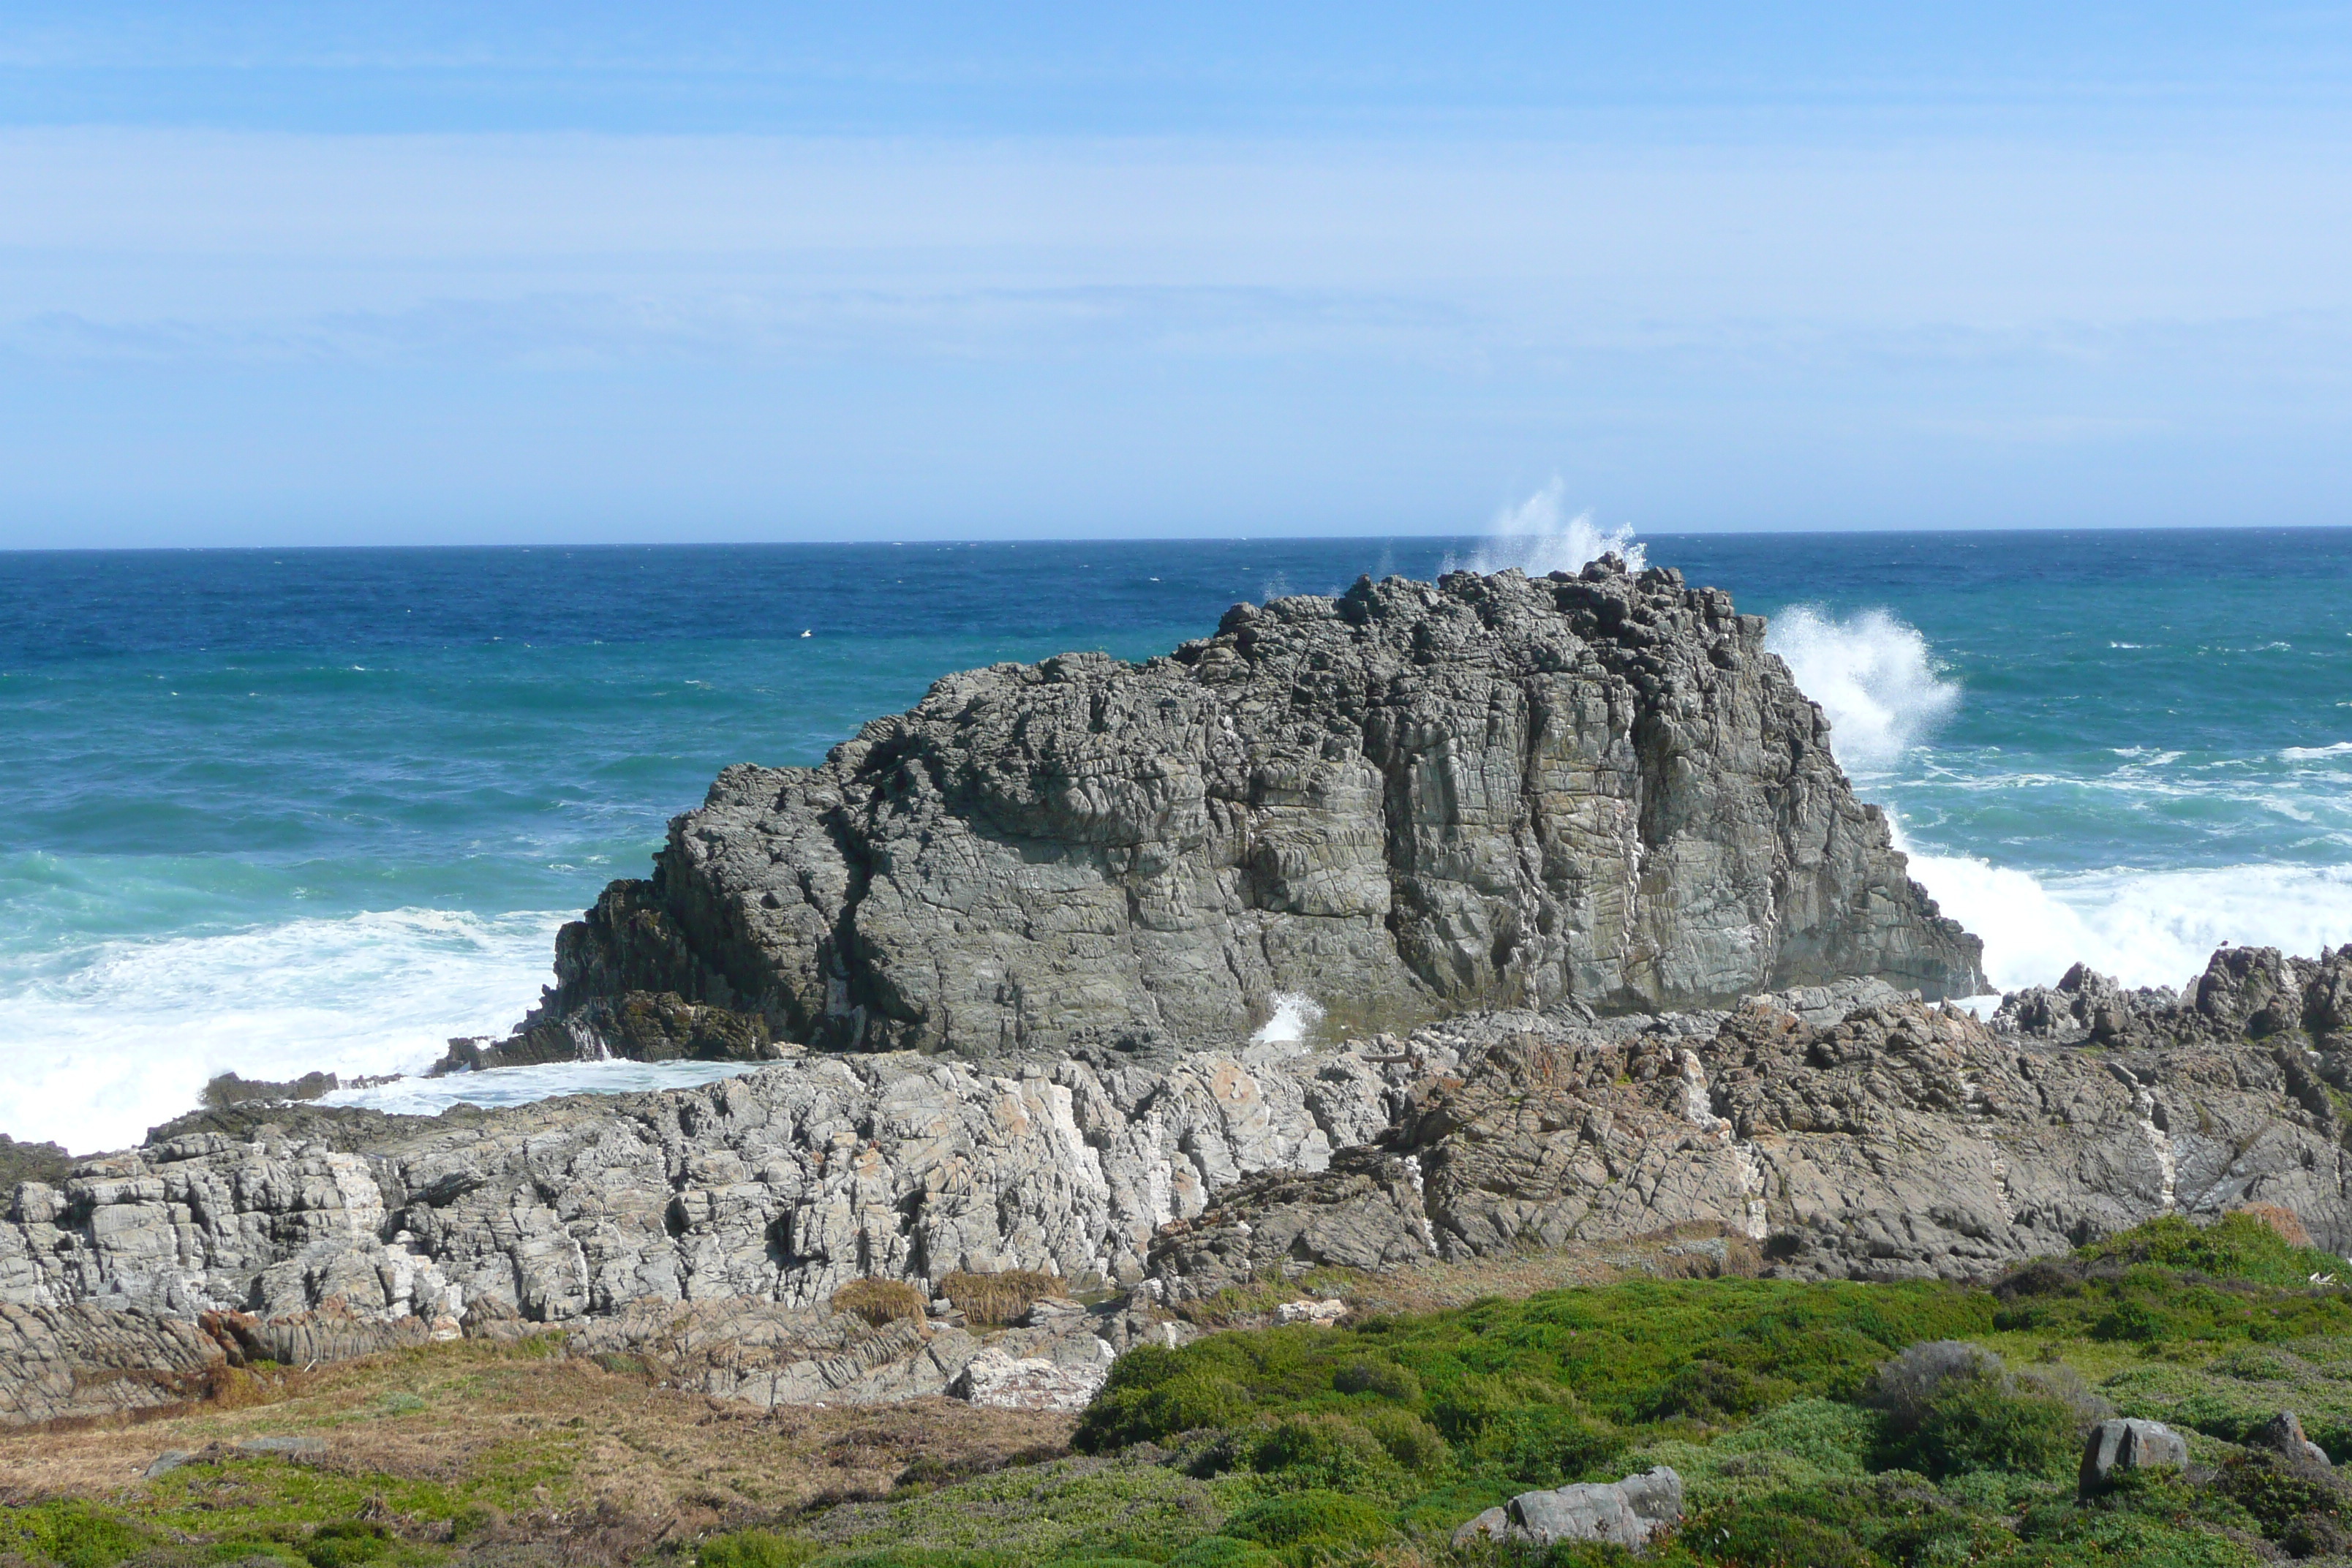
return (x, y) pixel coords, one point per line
(2283, 1434)
(1626, 1514)
(2117, 1445)
(996, 1379)
(1317, 1314)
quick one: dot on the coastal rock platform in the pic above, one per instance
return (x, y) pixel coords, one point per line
(1849, 1132)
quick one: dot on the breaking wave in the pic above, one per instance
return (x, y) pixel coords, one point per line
(1872, 675)
(99, 1050)
(521, 1086)
(2145, 927)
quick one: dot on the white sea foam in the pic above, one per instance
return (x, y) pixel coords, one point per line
(2145, 927)
(1537, 537)
(1293, 1015)
(1872, 675)
(95, 1055)
(520, 1086)
(2313, 753)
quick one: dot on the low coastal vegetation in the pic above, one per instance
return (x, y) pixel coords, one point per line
(1831, 1425)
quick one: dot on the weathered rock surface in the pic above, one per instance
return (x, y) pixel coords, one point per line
(749, 1198)
(1625, 1513)
(639, 1025)
(2118, 1445)
(1850, 1131)
(1886, 1139)
(85, 1360)
(2283, 1434)
(1406, 802)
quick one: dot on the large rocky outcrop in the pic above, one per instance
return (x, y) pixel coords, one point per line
(1406, 802)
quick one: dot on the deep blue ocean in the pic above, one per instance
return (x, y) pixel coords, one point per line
(274, 810)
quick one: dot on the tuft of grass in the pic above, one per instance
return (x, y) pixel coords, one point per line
(994, 1299)
(880, 1301)
(754, 1549)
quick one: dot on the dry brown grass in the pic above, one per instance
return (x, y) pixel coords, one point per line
(2284, 1222)
(619, 1455)
(995, 1299)
(1679, 1252)
(880, 1301)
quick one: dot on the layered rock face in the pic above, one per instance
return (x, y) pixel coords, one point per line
(1405, 802)
(1851, 1132)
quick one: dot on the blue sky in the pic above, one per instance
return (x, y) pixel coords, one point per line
(327, 273)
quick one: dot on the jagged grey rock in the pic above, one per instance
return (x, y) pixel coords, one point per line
(2283, 1434)
(1842, 1131)
(2120, 1445)
(1626, 1514)
(996, 1379)
(1409, 801)
(1888, 1138)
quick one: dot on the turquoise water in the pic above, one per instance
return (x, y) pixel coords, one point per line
(271, 811)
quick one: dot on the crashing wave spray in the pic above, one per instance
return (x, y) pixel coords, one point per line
(1873, 677)
(126, 1037)
(1295, 1015)
(2143, 928)
(1537, 539)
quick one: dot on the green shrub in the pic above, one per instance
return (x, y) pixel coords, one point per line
(2091, 1538)
(927, 1557)
(1145, 1366)
(1710, 1391)
(2235, 1246)
(1326, 1451)
(1313, 1518)
(1411, 1441)
(1034, 1513)
(1544, 1444)
(1186, 1403)
(2289, 1508)
(70, 1534)
(1223, 1552)
(1988, 1423)
(1824, 1433)
(1757, 1535)
(755, 1549)
(346, 1544)
(1383, 1378)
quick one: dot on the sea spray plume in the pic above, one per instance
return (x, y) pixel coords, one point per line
(1873, 677)
(1534, 537)
(1295, 1015)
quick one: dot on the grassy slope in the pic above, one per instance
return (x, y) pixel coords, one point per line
(1307, 1446)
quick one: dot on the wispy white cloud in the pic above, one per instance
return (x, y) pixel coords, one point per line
(1048, 329)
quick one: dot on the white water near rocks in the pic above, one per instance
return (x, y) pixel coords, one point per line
(126, 1038)
(1886, 696)
(521, 1086)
